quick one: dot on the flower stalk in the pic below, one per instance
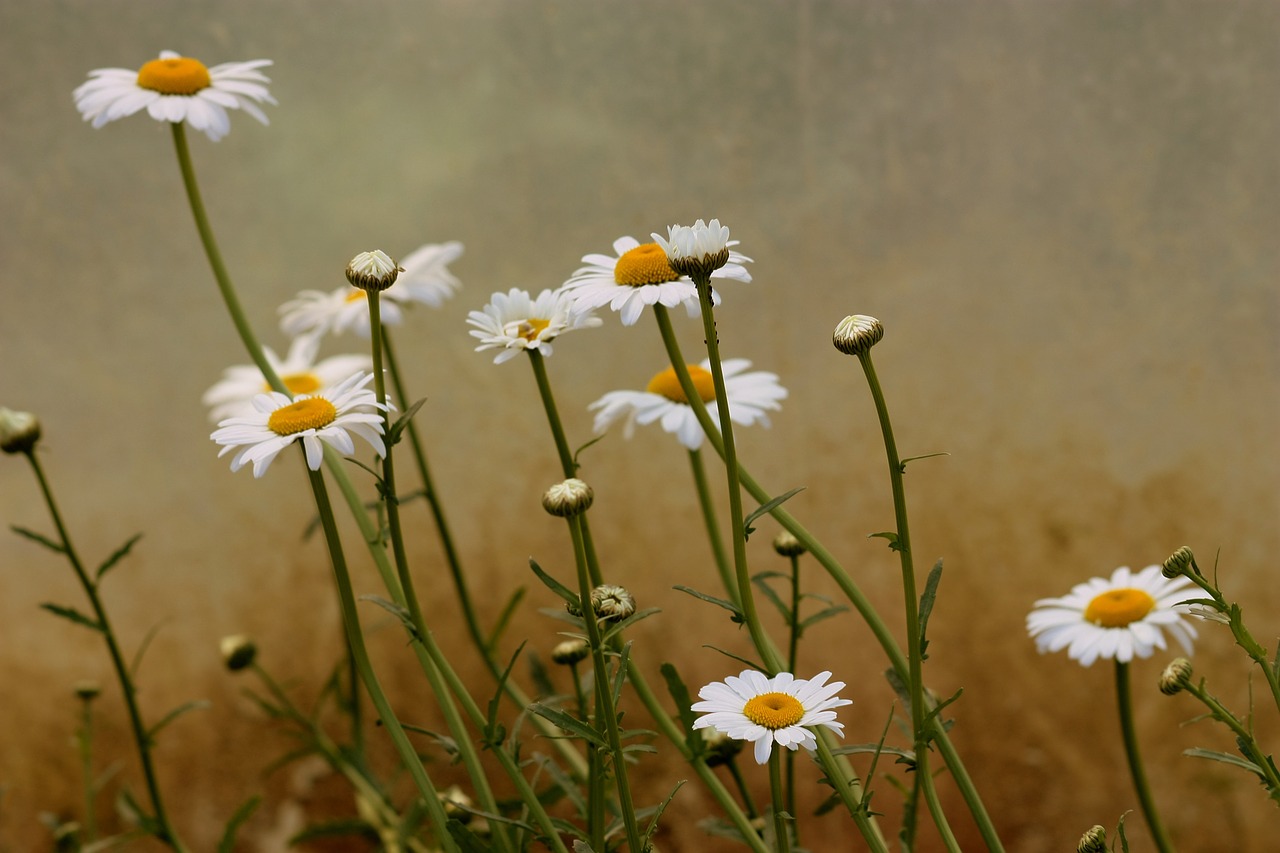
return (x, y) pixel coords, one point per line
(1124, 701)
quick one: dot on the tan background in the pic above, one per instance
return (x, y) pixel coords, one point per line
(1065, 214)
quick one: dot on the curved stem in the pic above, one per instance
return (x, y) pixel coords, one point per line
(165, 831)
(1124, 700)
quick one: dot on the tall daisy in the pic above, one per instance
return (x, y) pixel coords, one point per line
(766, 711)
(175, 89)
(751, 396)
(639, 275)
(514, 322)
(343, 309)
(299, 371)
(1121, 617)
(278, 420)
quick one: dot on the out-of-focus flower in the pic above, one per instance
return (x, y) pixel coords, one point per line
(299, 371)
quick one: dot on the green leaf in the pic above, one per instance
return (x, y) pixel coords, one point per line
(684, 710)
(902, 463)
(228, 842)
(749, 663)
(541, 678)
(72, 614)
(653, 822)
(621, 675)
(136, 663)
(39, 538)
(402, 422)
(894, 543)
(826, 613)
(401, 613)
(120, 553)
(618, 627)
(580, 846)
(719, 602)
(766, 507)
(570, 724)
(767, 592)
(494, 732)
(133, 813)
(194, 705)
(1225, 758)
(448, 744)
(1124, 842)
(504, 618)
(554, 585)
(334, 829)
(599, 437)
(927, 599)
(466, 840)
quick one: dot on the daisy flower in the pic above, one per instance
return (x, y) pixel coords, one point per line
(1121, 617)
(640, 275)
(175, 89)
(331, 416)
(345, 309)
(299, 371)
(425, 276)
(699, 248)
(514, 322)
(766, 711)
(663, 400)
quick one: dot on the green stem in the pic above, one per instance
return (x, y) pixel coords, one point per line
(712, 525)
(606, 711)
(793, 652)
(1266, 768)
(438, 516)
(355, 640)
(553, 415)
(166, 832)
(1238, 630)
(85, 740)
(738, 780)
(1125, 702)
(781, 832)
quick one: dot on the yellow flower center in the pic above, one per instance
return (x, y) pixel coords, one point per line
(180, 75)
(666, 384)
(1117, 608)
(528, 329)
(773, 710)
(298, 383)
(309, 413)
(645, 264)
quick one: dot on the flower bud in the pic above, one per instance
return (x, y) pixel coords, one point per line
(570, 652)
(612, 603)
(457, 805)
(86, 691)
(720, 747)
(570, 498)
(238, 652)
(1177, 563)
(1175, 677)
(698, 250)
(19, 431)
(787, 545)
(372, 271)
(1093, 841)
(857, 333)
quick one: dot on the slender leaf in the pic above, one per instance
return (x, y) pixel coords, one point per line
(119, 554)
(619, 627)
(334, 829)
(894, 543)
(902, 463)
(393, 434)
(657, 813)
(541, 678)
(1225, 758)
(580, 846)
(927, 599)
(825, 613)
(134, 813)
(228, 842)
(554, 585)
(397, 611)
(72, 614)
(599, 437)
(466, 840)
(39, 538)
(767, 592)
(185, 707)
(719, 602)
(504, 618)
(568, 723)
(684, 710)
(766, 507)
(136, 663)
(750, 663)
(494, 732)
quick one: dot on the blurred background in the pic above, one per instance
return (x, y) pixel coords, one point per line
(1065, 214)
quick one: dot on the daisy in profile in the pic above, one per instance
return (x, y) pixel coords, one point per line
(751, 396)
(766, 711)
(175, 89)
(277, 420)
(1122, 617)
(639, 275)
(513, 322)
(299, 371)
(424, 275)
(345, 309)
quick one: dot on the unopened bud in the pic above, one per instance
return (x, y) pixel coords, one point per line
(1175, 677)
(457, 804)
(612, 603)
(1093, 841)
(570, 652)
(787, 545)
(19, 431)
(86, 691)
(372, 271)
(1178, 563)
(238, 652)
(570, 498)
(720, 747)
(857, 333)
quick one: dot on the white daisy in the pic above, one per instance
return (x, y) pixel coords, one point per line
(640, 275)
(299, 371)
(663, 400)
(702, 247)
(1117, 618)
(425, 276)
(515, 322)
(315, 312)
(278, 420)
(176, 88)
(770, 710)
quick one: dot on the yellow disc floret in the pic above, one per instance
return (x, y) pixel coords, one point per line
(1117, 608)
(774, 710)
(179, 75)
(666, 384)
(298, 383)
(645, 264)
(307, 413)
(528, 329)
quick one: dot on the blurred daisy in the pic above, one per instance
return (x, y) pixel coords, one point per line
(424, 275)
(1121, 617)
(640, 275)
(299, 371)
(277, 420)
(663, 400)
(514, 322)
(766, 711)
(346, 309)
(175, 89)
